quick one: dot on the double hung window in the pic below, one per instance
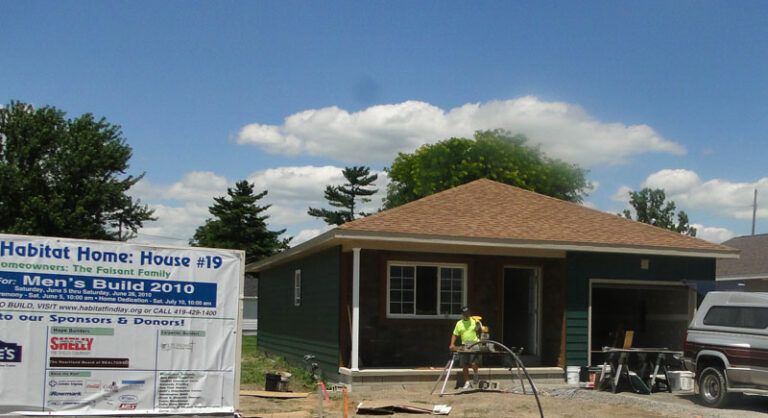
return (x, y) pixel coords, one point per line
(425, 290)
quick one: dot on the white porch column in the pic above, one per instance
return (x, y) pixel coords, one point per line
(355, 307)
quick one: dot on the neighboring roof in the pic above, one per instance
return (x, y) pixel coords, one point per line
(753, 262)
(485, 212)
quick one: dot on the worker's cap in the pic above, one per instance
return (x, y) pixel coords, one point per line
(465, 310)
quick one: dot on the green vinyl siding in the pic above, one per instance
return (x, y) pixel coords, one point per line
(581, 267)
(311, 328)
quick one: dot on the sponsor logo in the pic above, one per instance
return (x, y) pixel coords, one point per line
(69, 394)
(71, 343)
(69, 383)
(177, 346)
(92, 386)
(128, 398)
(127, 406)
(10, 353)
(112, 387)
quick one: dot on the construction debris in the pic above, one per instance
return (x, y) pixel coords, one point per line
(389, 408)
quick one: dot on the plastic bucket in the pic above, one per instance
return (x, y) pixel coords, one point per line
(272, 382)
(572, 375)
(680, 381)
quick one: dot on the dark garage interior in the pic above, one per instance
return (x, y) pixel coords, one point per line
(658, 315)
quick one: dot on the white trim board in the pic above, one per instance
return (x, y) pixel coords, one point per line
(339, 236)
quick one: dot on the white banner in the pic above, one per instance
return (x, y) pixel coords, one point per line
(94, 327)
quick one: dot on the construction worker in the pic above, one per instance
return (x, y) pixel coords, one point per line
(467, 328)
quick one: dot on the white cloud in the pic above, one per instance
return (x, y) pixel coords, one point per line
(564, 130)
(307, 234)
(622, 194)
(723, 197)
(183, 206)
(713, 234)
(195, 186)
(673, 181)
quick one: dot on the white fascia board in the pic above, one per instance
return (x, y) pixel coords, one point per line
(763, 276)
(533, 245)
(341, 235)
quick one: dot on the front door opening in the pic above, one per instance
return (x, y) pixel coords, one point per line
(521, 309)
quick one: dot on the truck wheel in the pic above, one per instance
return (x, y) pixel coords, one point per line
(713, 390)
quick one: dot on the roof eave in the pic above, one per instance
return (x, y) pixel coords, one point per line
(338, 235)
(306, 246)
(544, 245)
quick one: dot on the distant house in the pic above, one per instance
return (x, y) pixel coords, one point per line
(557, 278)
(750, 271)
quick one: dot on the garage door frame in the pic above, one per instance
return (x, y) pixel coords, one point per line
(630, 283)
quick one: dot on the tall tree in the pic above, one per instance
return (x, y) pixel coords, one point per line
(651, 207)
(65, 177)
(239, 223)
(344, 197)
(495, 155)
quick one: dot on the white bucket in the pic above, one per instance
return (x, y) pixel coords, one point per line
(680, 381)
(572, 375)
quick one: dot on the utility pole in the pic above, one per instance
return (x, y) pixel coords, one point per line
(754, 212)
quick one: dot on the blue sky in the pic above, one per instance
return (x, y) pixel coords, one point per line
(665, 94)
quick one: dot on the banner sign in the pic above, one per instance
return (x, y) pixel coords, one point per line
(97, 328)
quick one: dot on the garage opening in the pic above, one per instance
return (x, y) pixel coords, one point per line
(658, 314)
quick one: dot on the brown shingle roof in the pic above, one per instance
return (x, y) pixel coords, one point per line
(753, 260)
(486, 209)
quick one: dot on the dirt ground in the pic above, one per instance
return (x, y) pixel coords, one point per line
(556, 400)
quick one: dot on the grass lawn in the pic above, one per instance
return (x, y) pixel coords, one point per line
(255, 365)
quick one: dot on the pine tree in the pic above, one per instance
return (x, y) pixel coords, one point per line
(239, 223)
(344, 197)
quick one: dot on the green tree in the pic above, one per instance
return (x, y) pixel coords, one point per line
(239, 223)
(651, 207)
(344, 197)
(65, 177)
(495, 155)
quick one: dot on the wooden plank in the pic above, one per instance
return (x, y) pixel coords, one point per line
(274, 395)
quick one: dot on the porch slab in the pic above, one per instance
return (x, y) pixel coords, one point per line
(373, 377)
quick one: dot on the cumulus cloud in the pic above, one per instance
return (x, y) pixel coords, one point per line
(713, 234)
(183, 205)
(295, 189)
(563, 130)
(723, 197)
(307, 234)
(195, 186)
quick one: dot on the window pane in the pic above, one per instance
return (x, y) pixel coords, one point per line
(395, 271)
(736, 316)
(408, 308)
(250, 307)
(396, 283)
(407, 296)
(395, 296)
(408, 283)
(426, 291)
(408, 272)
(754, 318)
(395, 308)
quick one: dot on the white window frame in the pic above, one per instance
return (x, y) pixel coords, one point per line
(297, 287)
(416, 264)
